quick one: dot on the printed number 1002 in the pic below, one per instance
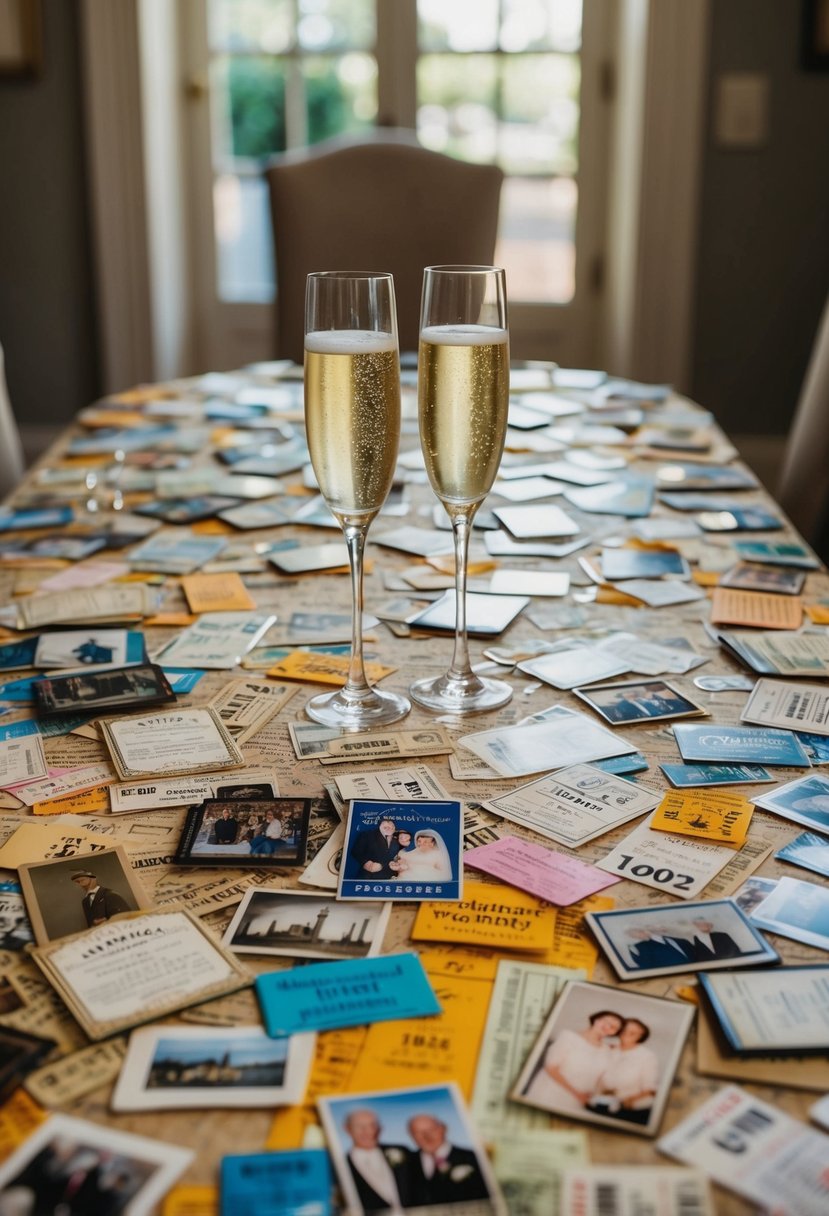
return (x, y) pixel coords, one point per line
(664, 876)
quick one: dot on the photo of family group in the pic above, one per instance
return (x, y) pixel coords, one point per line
(606, 1057)
(407, 849)
(409, 1149)
(265, 831)
(662, 941)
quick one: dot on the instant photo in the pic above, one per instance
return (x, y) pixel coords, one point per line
(402, 850)
(262, 832)
(297, 924)
(68, 895)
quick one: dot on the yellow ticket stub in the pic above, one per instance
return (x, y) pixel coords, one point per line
(87, 802)
(19, 1117)
(710, 814)
(322, 668)
(191, 1201)
(216, 593)
(490, 914)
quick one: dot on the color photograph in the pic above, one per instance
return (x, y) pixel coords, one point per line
(300, 925)
(261, 831)
(803, 801)
(796, 909)
(606, 1057)
(402, 850)
(638, 701)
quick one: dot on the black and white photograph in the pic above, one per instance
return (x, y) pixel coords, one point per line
(300, 925)
(68, 1165)
(606, 1057)
(67, 895)
(661, 940)
(805, 801)
(15, 930)
(180, 1067)
(260, 831)
(638, 701)
(118, 688)
(409, 1149)
(796, 909)
(19, 1054)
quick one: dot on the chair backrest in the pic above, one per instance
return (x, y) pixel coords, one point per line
(803, 491)
(383, 203)
(11, 449)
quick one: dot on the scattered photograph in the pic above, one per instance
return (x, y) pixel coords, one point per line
(70, 1165)
(70, 894)
(176, 1067)
(809, 851)
(19, 1054)
(402, 850)
(662, 940)
(770, 1011)
(752, 893)
(638, 701)
(413, 1129)
(753, 576)
(15, 930)
(230, 831)
(606, 1057)
(803, 801)
(301, 925)
(796, 909)
(119, 688)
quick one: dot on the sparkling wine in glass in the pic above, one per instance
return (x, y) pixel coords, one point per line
(463, 392)
(352, 419)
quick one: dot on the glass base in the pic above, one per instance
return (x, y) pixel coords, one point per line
(357, 710)
(467, 694)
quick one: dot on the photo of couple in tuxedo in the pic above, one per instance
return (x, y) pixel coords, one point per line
(386, 851)
(428, 1170)
(675, 945)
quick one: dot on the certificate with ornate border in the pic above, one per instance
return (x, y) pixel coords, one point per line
(165, 744)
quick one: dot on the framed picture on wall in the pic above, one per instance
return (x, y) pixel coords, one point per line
(21, 38)
(814, 44)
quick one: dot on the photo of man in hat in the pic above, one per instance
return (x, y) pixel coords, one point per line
(99, 903)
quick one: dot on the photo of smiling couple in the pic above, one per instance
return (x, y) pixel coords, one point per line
(394, 845)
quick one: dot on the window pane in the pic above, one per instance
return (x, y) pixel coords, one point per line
(457, 25)
(340, 94)
(334, 25)
(540, 25)
(540, 112)
(251, 25)
(248, 96)
(536, 240)
(244, 250)
(457, 97)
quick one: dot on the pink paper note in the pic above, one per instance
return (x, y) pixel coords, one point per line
(556, 877)
(84, 574)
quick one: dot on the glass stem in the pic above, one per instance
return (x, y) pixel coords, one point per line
(355, 539)
(461, 528)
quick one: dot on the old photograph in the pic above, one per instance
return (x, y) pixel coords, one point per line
(301, 925)
(74, 893)
(260, 831)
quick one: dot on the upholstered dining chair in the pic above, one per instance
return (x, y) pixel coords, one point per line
(11, 449)
(382, 202)
(803, 491)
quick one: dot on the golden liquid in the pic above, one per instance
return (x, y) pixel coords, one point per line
(463, 390)
(352, 417)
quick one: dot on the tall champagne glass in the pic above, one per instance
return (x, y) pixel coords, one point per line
(352, 419)
(463, 389)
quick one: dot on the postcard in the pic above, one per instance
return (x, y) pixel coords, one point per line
(574, 805)
(796, 909)
(410, 1126)
(556, 877)
(805, 801)
(765, 1012)
(486, 615)
(301, 1178)
(674, 864)
(721, 816)
(262, 832)
(218, 640)
(20, 1053)
(102, 690)
(639, 701)
(517, 751)
(140, 967)
(643, 563)
(191, 1067)
(307, 559)
(759, 609)
(780, 703)
(659, 940)
(714, 1058)
(754, 576)
(327, 996)
(417, 783)
(177, 551)
(783, 654)
(426, 741)
(182, 791)
(756, 1150)
(169, 743)
(297, 924)
(521, 995)
(581, 665)
(402, 850)
(783, 553)
(67, 895)
(129, 601)
(689, 776)
(244, 706)
(744, 744)
(15, 930)
(21, 756)
(593, 1190)
(606, 1057)
(491, 915)
(809, 851)
(121, 1173)
(89, 648)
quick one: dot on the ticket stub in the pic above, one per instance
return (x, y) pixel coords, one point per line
(177, 791)
(433, 741)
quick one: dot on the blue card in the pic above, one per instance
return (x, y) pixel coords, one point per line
(182, 679)
(740, 744)
(689, 776)
(45, 517)
(18, 690)
(327, 996)
(17, 730)
(817, 746)
(18, 654)
(402, 850)
(809, 851)
(780, 554)
(622, 765)
(293, 1183)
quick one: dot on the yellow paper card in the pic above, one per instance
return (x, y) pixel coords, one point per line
(45, 841)
(216, 593)
(711, 814)
(171, 618)
(211, 527)
(322, 668)
(18, 1119)
(87, 802)
(335, 1057)
(758, 609)
(572, 944)
(490, 914)
(191, 1201)
(818, 613)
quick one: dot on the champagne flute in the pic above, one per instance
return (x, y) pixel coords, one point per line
(463, 390)
(352, 420)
